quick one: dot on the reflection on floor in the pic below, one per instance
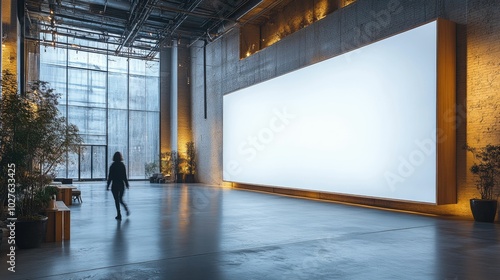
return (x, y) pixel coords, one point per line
(194, 231)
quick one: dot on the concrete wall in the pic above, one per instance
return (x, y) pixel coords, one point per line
(478, 61)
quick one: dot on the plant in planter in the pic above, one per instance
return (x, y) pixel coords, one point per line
(170, 166)
(150, 169)
(190, 162)
(167, 164)
(179, 168)
(486, 169)
(33, 198)
(34, 139)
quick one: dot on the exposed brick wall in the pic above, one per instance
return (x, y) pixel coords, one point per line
(483, 87)
(10, 30)
(478, 66)
(165, 99)
(184, 100)
(482, 114)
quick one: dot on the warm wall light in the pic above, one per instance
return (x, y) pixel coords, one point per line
(274, 39)
(345, 3)
(283, 23)
(321, 10)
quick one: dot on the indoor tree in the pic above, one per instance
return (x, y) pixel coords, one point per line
(34, 137)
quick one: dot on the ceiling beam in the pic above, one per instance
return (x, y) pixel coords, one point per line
(169, 30)
(139, 13)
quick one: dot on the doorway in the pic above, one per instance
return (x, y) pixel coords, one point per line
(92, 162)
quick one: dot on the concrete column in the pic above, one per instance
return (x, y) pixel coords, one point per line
(174, 98)
(165, 99)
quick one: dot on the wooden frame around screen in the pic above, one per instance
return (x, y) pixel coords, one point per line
(446, 192)
(446, 185)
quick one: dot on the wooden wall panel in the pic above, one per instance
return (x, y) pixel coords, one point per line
(446, 113)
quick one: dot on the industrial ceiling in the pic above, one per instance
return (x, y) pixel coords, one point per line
(145, 25)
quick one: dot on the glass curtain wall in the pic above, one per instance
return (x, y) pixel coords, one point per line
(113, 100)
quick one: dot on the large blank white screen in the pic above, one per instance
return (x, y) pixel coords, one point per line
(362, 123)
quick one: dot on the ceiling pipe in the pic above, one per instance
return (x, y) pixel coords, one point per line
(105, 6)
(123, 5)
(193, 13)
(167, 32)
(138, 21)
(245, 9)
(93, 49)
(223, 28)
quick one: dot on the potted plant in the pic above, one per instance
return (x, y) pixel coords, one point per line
(171, 166)
(179, 167)
(34, 139)
(167, 164)
(149, 170)
(33, 197)
(486, 170)
(190, 162)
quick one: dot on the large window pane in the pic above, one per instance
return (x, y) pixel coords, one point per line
(97, 89)
(83, 59)
(137, 90)
(60, 170)
(62, 109)
(137, 145)
(152, 94)
(117, 133)
(98, 61)
(91, 122)
(118, 64)
(77, 87)
(152, 68)
(86, 88)
(56, 76)
(99, 162)
(137, 66)
(151, 137)
(51, 55)
(85, 162)
(117, 90)
(144, 145)
(73, 165)
(78, 58)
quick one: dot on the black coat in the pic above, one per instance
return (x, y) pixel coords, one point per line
(117, 175)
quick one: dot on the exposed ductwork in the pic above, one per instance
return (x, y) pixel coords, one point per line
(138, 15)
(146, 25)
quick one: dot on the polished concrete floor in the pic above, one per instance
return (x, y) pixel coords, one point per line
(195, 231)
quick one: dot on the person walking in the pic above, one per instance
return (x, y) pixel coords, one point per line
(118, 177)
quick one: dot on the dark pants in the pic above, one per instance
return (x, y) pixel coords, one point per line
(118, 196)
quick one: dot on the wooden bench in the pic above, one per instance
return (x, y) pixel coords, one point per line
(59, 223)
(64, 194)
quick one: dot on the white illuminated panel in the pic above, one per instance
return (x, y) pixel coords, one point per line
(362, 123)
